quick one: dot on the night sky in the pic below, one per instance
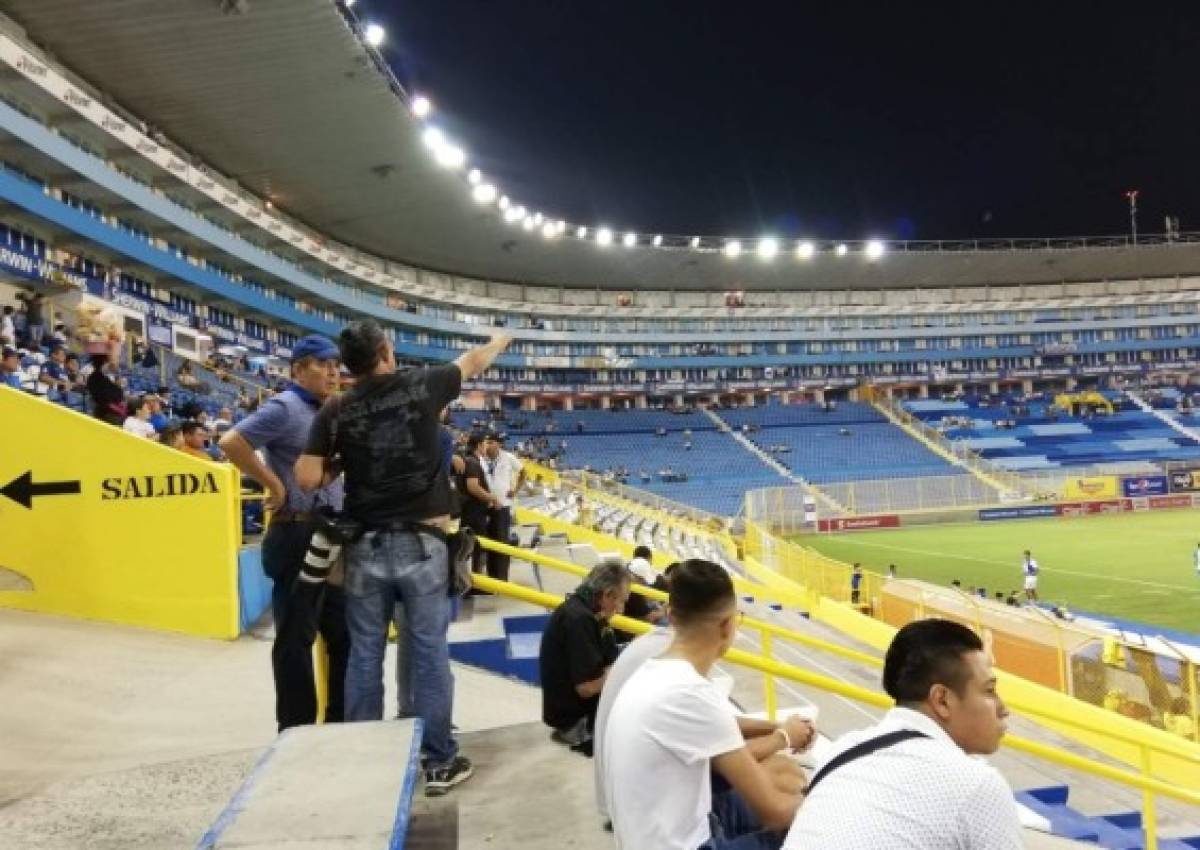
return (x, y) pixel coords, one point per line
(830, 120)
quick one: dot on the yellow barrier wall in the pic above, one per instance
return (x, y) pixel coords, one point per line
(1180, 763)
(149, 537)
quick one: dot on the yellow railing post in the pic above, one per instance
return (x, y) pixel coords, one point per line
(769, 678)
(321, 676)
(1193, 683)
(1149, 818)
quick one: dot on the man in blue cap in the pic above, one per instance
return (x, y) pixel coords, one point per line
(280, 429)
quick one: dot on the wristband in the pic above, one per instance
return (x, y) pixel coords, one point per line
(786, 738)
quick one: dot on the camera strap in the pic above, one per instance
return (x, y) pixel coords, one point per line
(865, 748)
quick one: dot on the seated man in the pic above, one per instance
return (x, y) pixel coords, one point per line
(638, 607)
(643, 569)
(578, 648)
(764, 739)
(912, 782)
(670, 727)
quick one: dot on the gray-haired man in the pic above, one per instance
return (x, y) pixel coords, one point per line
(578, 648)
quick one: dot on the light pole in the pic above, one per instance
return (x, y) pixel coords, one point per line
(1132, 196)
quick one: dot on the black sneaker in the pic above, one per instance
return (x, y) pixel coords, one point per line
(583, 747)
(439, 780)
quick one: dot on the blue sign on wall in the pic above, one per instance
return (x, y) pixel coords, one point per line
(1022, 512)
(1145, 485)
(35, 268)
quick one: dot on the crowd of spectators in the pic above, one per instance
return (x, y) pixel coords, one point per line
(41, 359)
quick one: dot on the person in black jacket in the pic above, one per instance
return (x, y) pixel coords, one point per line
(108, 399)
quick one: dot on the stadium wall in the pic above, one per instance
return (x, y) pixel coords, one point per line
(107, 526)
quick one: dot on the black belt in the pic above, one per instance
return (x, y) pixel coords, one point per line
(411, 528)
(294, 517)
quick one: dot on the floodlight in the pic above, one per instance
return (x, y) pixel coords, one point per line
(733, 248)
(484, 193)
(630, 239)
(374, 34)
(433, 138)
(768, 248)
(604, 237)
(421, 106)
(450, 156)
(805, 250)
(874, 249)
(841, 250)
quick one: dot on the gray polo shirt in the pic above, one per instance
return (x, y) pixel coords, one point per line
(280, 428)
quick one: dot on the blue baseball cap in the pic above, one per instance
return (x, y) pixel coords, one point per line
(316, 346)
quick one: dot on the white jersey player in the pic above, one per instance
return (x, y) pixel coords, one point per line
(1029, 568)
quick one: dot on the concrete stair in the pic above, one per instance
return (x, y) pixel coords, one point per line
(1163, 415)
(773, 464)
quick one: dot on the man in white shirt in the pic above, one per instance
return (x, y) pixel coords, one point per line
(1029, 568)
(670, 727)
(138, 420)
(766, 738)
(643, 569)
(912, 782)
(505, 474)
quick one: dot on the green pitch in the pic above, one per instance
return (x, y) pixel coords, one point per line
(1134, 566)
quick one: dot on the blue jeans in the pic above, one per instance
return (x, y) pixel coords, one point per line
(734, 826)
(383, 568)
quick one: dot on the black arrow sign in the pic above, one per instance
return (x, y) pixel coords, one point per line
(23, 491)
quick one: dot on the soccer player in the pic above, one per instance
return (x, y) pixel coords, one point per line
(1030, 568)
(1197, 558)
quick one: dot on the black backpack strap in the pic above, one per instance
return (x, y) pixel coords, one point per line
(863, 749)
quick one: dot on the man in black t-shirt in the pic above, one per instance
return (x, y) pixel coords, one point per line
(578, 648)
(385, 435)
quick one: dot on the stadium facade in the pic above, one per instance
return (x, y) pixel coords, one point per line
(99, 198)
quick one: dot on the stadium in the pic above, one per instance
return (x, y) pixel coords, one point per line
(862, 434)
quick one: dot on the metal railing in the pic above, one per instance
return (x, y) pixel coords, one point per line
(978, 465)
(771, 668)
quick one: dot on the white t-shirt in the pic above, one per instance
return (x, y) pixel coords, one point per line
(632, 657)
(140, 427)
(665, 726)
(643, 570)
(920, 794)
(501, 475)
(1030, 568)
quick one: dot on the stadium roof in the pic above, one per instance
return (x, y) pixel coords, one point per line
(283, 97)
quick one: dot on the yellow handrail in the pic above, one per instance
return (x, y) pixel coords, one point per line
(658, 596)
(1148, 783)
(576, 532)
(772, 667)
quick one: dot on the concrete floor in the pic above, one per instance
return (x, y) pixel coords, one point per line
(114, 738)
